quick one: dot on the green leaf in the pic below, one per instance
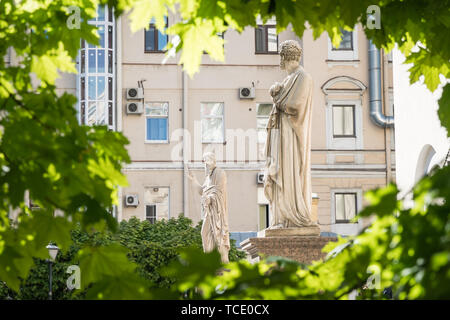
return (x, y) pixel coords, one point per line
(444, 108)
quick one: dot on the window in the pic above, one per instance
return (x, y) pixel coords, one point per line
(343, 121)
(266, 39)
(212, 122)
(347, 51)
(345, 204)
(346, 42)
(96, 76)
(156, 203)
(262, 117)
(155, 40)
(156, 121)
(263, 216)
(150, 213)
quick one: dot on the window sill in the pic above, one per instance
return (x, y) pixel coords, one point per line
(269, 53)
(156, 51)
(214, 142)
(342, 62)
(156, 142)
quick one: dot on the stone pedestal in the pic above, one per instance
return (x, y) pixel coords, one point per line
(303, 245)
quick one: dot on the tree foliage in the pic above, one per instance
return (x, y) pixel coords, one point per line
(149, 247)
(47, 156)
(406, 249)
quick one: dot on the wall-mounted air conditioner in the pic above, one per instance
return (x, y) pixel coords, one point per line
(135, 93)
(134, 108)
(131, 200)
(260, 178)
(247, 93)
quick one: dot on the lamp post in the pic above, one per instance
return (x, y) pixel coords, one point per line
(53, 252)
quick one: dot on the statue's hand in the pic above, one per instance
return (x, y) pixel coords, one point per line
(275, 89)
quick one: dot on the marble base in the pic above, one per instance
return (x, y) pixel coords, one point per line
(290, 232)
(303, 249)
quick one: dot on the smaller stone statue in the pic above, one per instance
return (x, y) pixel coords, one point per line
(214, 207)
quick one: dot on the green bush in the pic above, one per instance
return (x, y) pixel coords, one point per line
(150, 246)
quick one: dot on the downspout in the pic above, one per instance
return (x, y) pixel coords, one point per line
(375, 104)
(376, 114)
(118, 108)
(185, 142)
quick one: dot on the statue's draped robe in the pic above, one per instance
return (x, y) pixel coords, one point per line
(215, 214)
(287, 183)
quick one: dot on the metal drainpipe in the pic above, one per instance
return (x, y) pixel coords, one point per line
(185, 159)
(376, 114)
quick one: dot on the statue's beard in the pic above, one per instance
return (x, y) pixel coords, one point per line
(282, 64)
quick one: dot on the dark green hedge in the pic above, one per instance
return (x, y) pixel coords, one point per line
(151, 246)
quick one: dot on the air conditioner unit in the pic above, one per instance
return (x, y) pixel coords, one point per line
(260, 178)
(134, 108)
(247, 93)
(135, 93)
(131, 200)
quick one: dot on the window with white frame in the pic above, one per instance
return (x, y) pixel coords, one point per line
(156, 203)
(156, 122)
(346, 41)
(96, 76)
(150, 213)
(347, 49)
(262, 118)
(212, 118)
(266, 39)
(343, 121)
(345, 206)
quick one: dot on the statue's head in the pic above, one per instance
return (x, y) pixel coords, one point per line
(210, 159)
(290, 53)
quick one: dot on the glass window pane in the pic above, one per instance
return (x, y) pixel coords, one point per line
(346, 42)
(83, 113)
(211, 109)
(157, 109)
(82, 88)
(110, 114)
(92, 110)
(162, 41)
(100, 88)
(110, 62)
(212, 130)
(110, 14)
(348, 121)
(110, 88)
(261, 123)
(101, 61)
(101, 113)
(82, 61)
(91, 61)
(264, 109)
(110, 37)
(101, 34)
(338, 121)
(101, 13)
(260, 39)
(340, 208)
(150, 39)
(91, 89)
(157, 129)
(262, 136)
(350, 206)
(272, 40)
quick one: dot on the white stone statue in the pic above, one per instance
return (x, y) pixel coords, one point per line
(214, 207)
(287, 183)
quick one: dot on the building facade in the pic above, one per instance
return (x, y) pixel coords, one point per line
(171, 119)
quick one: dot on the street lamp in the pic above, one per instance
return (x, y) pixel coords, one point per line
(53, 252)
